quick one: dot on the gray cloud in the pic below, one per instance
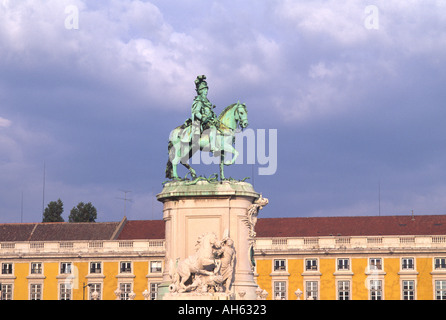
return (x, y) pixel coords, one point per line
(354, 107)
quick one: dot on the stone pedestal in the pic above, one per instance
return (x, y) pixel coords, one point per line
(191, 210)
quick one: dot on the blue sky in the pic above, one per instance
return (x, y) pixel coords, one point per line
(355, 90)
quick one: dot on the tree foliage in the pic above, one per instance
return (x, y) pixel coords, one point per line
(53, 212)
(83, 212)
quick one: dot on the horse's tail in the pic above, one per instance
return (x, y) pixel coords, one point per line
(169, 168)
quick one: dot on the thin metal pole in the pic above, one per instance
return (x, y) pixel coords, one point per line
(43, 193)
(21, 210)
(379, 198)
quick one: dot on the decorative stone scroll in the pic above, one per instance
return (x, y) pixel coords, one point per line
(253, 212)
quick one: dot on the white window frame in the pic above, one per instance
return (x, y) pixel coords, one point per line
(312, 286)
(156, 266)
(406, 292)
(280, 289)
(374, 266)
(66, 268)
(441, 265)
(153, 290)
(33, 294)
(279, 265)
(128, 268)
(36, 266)
(65, 291)
(376, 289)
(7, 291)
(94, 286)
(404, 262)
(314, 264)
(126, 288)
(340, 293)
(440, 289)
(8, 267)
(343, 264)
(95, 269)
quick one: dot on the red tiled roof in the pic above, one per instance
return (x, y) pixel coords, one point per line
(57, 231)
(265, 227)
(16, 231)
(142, 229)
(351, 226)
(69, 231)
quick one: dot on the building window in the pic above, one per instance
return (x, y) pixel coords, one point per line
(440, 263)
(36, 268)
(310, 264)
(65, 291)
(125, 267)
(95, 267)
(35, 291)
(95, 287)
(279, 265)
(155, 267)
(344, 290)
(280, 290)
(126, 289)
(6, 268)
(376, 290)
(311, 291)
(6, 292)
(440, 289)
(408, 290)
(407, 264)
(375, 264)
(153, 290)
(343, 264)
(65, 268)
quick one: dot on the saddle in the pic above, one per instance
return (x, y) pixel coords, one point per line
(185, 134)
(187, 130)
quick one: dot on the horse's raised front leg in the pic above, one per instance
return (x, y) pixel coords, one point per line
(231, 150)
(227, 149)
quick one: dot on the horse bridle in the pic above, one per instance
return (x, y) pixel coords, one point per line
(238, 119)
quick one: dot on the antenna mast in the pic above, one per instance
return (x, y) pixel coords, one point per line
(125, 199)
(21, 209)
(43, 193)
(379, 198)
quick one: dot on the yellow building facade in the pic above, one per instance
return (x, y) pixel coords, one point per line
(353, 258)
(359, 282)
(76, 276)
(125, 260)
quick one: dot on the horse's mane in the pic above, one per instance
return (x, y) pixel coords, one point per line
(200, 239)
(225, 110)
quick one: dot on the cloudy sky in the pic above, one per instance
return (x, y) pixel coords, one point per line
(89, 91)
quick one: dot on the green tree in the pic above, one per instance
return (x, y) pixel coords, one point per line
(53, 212)
(84, 212)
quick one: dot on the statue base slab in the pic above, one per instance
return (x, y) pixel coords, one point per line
(197, 296)
(220, 207)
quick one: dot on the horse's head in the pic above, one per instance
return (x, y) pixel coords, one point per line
(241, 115)
(206, 240)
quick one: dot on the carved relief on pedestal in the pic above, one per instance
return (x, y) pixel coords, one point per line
(210, 269)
